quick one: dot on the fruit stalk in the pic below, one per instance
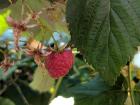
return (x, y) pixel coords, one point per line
(56, 88)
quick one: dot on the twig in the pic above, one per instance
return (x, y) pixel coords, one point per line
(22, 9)
(21, 93)
(6, 86)
(3, 90)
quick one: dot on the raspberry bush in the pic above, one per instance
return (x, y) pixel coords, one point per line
(73, 49)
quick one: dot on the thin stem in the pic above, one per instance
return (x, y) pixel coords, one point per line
(56, 88)
(10, 1)
(22, 9)
(76, 70)
(20, 92)
(29, 8)
(3, 90)
(86, 66)
(130, 86)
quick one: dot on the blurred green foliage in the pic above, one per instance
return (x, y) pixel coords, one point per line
(5, 101)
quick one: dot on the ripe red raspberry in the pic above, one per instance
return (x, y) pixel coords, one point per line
(58, 64)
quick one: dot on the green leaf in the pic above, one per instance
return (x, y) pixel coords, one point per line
(34, 5)
(108, 30)
(42, 82)
(5, 101)
(97, 92)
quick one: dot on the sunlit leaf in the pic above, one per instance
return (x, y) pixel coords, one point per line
(42, 82)
(3, 22)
